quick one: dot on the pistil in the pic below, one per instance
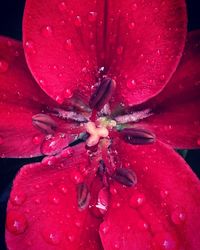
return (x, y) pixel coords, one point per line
(95, 133)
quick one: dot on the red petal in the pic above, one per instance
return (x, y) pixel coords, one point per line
(67, 42)
(20, 98)
(43, 211)
(161, 211)
(176, 118)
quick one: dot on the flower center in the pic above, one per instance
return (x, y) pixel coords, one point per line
(95, 133)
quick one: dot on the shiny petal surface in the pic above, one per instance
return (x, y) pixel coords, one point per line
(162, 211)
(43, 209)
(20, 99)
(139, 44)
(176, 112)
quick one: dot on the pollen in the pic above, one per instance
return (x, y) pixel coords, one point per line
(95, 133)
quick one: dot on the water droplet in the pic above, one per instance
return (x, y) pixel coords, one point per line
(62, 188)
(104, 227)
(162, 77)
(30, 47)
(71, 238)
(134, 6)
(52, 237)
(178, 216)
(47, 31)
(16, 222)
(120, 50)
(59, 99)
(54, 144)
(165, 241)
(62, 6)
(103, 198)
(131, 25)
(68, 94)
(78, 21)
(116, 245)
(130, 84)
(164, 193)
(3, 66)
(76, 177)
(137, 200)
(158, 52)
(55, 199)
(143, 225)
(18, 199)
(113, 190)
(92, 17)
(36, 140)
(37, 201)
(68, 44)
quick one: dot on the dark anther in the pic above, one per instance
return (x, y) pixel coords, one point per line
(102, 168)
(138, 136)
(125, 176)
(103, 93)
(83, 195)
(45, 123)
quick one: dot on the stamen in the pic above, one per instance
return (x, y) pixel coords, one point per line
(134, 117)
(137, 136)
(68, 115)
(125, 176)
(95, 133)
(83, 195)
(103, 93)
(45, 123)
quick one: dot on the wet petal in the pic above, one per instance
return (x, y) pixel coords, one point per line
(49, 216)
(20, 99)
(161, 211)
(83, 40)
(176, 118)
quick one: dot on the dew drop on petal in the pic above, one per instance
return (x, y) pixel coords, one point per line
(47, 31)
(68, 94)
(36, 140)
(18, 199)
(30, 47)
(55, 199)
(78, 21)
(62, 188)
(137, 200)
(178, 216)
(165, 241)
(164, 193)
(3, 66)
(52, 237)
(104, 227)
(130, 84)
(62, 6)
(76, 177)
(92, 16)
(59, 99)
(134, 6)
(68, 44)
(131, 25)
(16, 222)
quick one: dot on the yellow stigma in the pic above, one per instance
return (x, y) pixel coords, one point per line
(95, 133)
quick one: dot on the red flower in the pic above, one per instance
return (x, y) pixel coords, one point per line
(109, 180)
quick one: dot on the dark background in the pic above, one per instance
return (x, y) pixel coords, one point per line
(11, 12)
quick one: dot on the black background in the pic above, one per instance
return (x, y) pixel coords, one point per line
(11, 12)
